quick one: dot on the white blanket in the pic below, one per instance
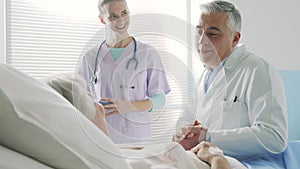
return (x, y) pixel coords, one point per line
(166, 156)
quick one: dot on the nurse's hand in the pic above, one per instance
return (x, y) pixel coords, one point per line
(190, 135)
(117, 106)
(99, 119)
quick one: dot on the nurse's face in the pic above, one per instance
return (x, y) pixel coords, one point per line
(214, 39)
(116, 17)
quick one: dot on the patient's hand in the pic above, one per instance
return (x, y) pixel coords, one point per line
(190, 135)
(211, 155)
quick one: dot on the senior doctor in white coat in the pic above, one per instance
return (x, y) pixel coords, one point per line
(127, 74)
(240, 101)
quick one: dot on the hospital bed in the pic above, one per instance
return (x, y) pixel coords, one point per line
(290, 158)
(39, 129)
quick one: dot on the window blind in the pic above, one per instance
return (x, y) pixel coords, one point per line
(41, 42)
(2, 32)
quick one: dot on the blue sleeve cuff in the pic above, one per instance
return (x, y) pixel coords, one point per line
(158, 101)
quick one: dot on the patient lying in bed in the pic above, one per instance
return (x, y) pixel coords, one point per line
(43, 126)
(167, 155)
(73, 88)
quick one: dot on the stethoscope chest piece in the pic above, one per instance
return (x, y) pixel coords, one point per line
(93, 79)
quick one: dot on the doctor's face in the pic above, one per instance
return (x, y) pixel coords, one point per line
(116, 17)
(214, 39)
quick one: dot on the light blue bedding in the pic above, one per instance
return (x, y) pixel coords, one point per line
(289, 159)
(291, 80)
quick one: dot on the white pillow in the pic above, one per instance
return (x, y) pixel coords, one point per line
(38, 122)
(14, 160)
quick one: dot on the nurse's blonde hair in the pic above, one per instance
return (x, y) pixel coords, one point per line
(73, 87)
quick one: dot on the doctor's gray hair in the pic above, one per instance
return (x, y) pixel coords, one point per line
(234, 17)
(102, 3)
(72, 87)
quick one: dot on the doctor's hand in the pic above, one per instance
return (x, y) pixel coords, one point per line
(117, 106)
(190, 135)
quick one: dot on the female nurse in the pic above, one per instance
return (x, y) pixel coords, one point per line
(127, 74)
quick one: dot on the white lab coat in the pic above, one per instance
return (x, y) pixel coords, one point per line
(256, 123)
(147, 80)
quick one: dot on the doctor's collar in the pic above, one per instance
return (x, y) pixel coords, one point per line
(220, 64)
(236, 51)
(233, 57)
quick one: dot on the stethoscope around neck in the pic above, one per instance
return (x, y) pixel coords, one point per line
(93, 78)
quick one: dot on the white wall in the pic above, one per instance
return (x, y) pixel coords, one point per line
(271, 29)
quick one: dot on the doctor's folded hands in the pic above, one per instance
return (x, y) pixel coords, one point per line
(190, 135)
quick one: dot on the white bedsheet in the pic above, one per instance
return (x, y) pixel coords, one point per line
(166, 156)
(151, 156)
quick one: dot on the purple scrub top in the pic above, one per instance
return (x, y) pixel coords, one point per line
(115, 81)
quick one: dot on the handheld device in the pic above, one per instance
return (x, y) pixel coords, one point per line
(104, 102)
